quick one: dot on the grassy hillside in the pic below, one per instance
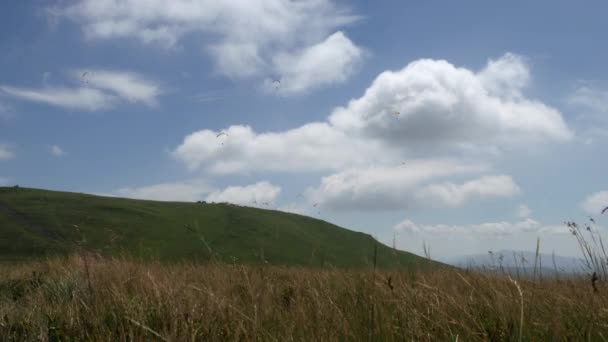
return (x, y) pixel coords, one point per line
(38, 222)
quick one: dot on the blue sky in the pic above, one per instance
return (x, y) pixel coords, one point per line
(469, 126)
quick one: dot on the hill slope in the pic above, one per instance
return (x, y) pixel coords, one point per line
(40, 222)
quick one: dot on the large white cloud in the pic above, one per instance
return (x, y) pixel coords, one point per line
(432, 102)
(315, 146)
(97, 90)
(261, 194)
(595, 203)
(411, 185)
(491, 228)
(430, 105)
(245, 38)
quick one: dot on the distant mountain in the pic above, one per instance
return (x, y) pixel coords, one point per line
(523, 261)
(36, 223)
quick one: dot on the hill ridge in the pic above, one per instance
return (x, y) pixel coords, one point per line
(35, 222)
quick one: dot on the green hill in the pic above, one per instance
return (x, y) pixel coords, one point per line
(36, 223)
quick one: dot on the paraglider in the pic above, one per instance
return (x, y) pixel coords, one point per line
(85, 77)
(276, 83)
(221, 134)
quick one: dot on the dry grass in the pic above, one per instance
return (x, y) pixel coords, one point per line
(134, 301)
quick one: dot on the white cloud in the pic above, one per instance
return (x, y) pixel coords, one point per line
(455, 195)
(56, 151)
(590, 97)
(595, 203)
(188, 191)
(428, 105)
(103, 90)
(69, 98)
(4, 181)
(523, 211)
(261, 194)
(332, 61)
(388, 188)
(243, 37)
(6, 152)
(491, 228)
(434, 103)
(238, 59)
(505, 77)
(127, 85)
(315, 146)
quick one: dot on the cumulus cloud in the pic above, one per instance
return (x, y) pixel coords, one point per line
(391, 188)
(523, 211)
(283, 31)
(332, 61)
(455, 195)
(56, 151)
(187, 191)
(315, 146)
(432, 102)
(6, 152)
(100, 90)
(501, 228)
(259, 194)
(595, 203)
(429, 104)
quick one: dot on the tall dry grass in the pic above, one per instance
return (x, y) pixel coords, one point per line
(135, 301)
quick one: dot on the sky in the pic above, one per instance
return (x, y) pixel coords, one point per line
(463, 126)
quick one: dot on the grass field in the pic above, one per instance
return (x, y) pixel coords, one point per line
(37, 223)
(87, 297)
(78, 267)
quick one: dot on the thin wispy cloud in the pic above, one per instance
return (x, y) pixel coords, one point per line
(56, 151)
(101, 90)
(6, 152)
(591, 97)
(501, 228)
